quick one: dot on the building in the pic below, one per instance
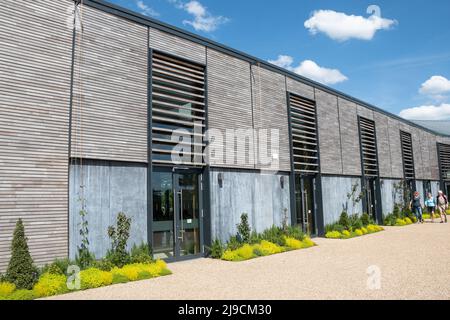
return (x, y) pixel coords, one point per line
(90, 112)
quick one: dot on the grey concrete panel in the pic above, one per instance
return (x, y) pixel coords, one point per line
(389, 196)
(109, 188)
(334, 196)
(258, 195)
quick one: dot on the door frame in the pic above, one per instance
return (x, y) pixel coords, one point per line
(179, 171)
(315, 195)
(201, 197)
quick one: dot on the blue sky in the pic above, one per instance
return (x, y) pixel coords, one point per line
(398, 60)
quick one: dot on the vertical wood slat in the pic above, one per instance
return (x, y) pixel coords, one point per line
(35, 60)
(112, 121)
(368, 147)
(407, 155)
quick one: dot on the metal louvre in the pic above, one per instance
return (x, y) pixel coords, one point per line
(444, 160)
(368, 141)
(304, 135)
(407, 154)
(178, 110)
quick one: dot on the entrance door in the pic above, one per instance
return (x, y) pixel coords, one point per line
(371, 198)
(177, 221)
(187, 214)
(305, 189)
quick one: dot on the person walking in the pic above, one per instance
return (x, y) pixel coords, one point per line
(442, 205)
(416, 207)
(430, 205)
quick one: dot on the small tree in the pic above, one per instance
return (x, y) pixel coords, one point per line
(244, 229)
(355, 197)
(119, 235)
(21, 270)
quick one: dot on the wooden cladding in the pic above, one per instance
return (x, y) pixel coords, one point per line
(178, 111)
(407, 155)
(304, 135)
(444, 161)
(368, 142)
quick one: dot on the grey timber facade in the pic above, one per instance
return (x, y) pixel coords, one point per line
(86, 115)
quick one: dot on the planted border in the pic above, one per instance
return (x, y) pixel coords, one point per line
(247, 245)
(51, 284)
(346, 234)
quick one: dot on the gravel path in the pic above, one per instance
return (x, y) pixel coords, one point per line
(414, 262)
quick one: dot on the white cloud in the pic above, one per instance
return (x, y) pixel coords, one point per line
(436, 87)
(203, 19)
(441, 112)
(311, 70)
(341, 27)
(145, 9)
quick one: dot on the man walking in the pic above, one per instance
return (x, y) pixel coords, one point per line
(442, 205)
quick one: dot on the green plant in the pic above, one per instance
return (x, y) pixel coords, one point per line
(141, 253)
(365, 219)
(22, 294)
(119, 278)
(294, 232)
(216, 250)
(103, 264)
(233, 243)
(274, 235)
(244, 229)
(334, 227)
(355, 222)
(333, 235)
(21, 270)
(119, 235)
(50, 285)
(84, 257)
(95, 278)
(344, 220)
(59, 266)
(255, 238)
(6, 289)
(354, 196)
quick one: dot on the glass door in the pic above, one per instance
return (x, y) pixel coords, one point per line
(187, 214)
(176, 214)
(305, 203)
(370, 198)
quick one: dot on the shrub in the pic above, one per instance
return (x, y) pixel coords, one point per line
(119, 235)
(230, 255)
(344, 220)
(131, 272)
(274, 235)
(119, 278)
(365, 219)
(141, 254)
(21, 270)
(50, 285)
(245, 252)
(104, 265)
(333, 235)
(268, 248)
(95, 278)
(372, 228)
(295, 232)
(144, 275)
(22, 294)
(346, 234)
(364, 230)
(216, 250)
(234, 243)
(59, 266)
(355, 222)
(359, 233)
(255, 238)
(244, 229)
(6, 288)
(400, 223)
(390, 220)
(308, 243)
(397, 213)
(293, 243)
(407, 221)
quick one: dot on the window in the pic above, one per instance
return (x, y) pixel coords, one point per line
(408, 156)
(368, 142)
(178, 106)
(444, 161)
(304, 134)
